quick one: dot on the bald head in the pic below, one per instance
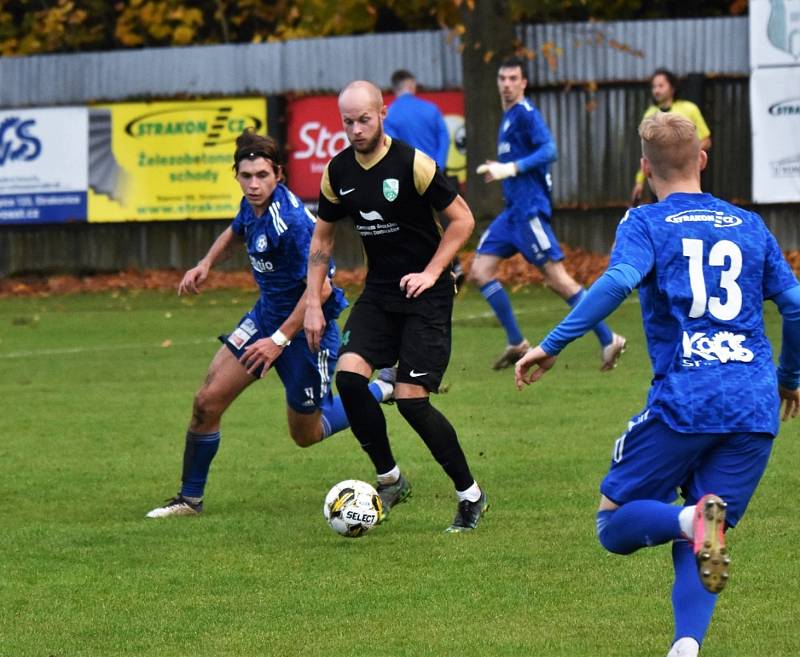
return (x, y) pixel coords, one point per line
(362, 110)
(360, 95)
(670, 145)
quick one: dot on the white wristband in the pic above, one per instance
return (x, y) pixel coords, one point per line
(280, 339)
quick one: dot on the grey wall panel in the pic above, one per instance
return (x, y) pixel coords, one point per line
(304, 65)
(631, 50)
(715, 46)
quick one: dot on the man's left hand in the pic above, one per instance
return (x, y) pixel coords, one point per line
(262, 352)
(415, 284)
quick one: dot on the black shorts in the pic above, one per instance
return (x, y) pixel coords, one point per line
(386, 328)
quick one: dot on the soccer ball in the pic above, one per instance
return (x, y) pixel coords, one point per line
(352, 507)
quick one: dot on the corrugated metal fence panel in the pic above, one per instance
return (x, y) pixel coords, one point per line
(631, 50)
(170, 72)
(716, 46)
(304, 65)
(598, 150)
(312, 65)
(598, 153)
(727, 111)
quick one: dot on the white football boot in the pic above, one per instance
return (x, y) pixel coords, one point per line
(684, 647)
(177, 506)
(612, 351)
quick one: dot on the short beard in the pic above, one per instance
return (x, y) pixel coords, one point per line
(371, 145)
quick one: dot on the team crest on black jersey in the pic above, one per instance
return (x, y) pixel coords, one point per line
(391, 188)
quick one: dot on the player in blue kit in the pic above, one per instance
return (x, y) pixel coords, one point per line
(276, 229)
(703, 268)
(525, 150)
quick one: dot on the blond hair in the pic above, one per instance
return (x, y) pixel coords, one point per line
(670, 144)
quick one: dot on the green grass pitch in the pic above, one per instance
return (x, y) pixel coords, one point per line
(96, 392)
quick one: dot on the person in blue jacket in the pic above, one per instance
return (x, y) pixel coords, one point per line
(416, 121)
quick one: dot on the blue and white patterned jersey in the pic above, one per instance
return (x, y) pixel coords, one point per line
(522, 131)
(277, 245)
(707, 268)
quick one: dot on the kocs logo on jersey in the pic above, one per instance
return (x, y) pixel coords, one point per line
(16, 141)
(723, 346)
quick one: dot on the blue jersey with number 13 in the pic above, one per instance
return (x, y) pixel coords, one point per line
(707, 267)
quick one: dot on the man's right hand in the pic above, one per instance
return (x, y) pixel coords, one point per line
(193, 279)
(535, 358)
(314, 326)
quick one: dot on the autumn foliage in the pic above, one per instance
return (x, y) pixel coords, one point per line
(30, 27)
(585, 267)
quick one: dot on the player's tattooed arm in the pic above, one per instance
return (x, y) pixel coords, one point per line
(318, 263)
(319, 258)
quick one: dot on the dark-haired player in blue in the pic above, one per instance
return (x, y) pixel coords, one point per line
(703, 268)
(525, 150)
(276, 230)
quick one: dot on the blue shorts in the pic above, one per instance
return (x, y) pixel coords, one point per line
(534, 239)
(651, 461)
(306, 375)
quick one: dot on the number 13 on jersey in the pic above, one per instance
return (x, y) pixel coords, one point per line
(723, 254)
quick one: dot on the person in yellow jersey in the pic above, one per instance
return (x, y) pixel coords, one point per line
(664, 86)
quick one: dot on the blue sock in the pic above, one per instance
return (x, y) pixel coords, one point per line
(198, 453)
(334, 419)
(601, 329)
(692, 605)
(638, 524)
(496, 296)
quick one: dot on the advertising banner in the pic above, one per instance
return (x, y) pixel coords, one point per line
(167, 160)
(315, 135)
(43, 165)
(774, 33)
(775, 115)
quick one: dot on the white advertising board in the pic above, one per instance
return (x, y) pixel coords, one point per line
(775, 115)
(44, 166)
(774, 33)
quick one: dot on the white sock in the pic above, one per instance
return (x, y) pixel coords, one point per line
(387, 389)
(686, 519)
(389, 477)
(684, 647)
(473, 493)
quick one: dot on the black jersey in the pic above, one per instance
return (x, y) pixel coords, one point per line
(391, 200)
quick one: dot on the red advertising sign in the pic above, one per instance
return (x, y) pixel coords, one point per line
(315, 135)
